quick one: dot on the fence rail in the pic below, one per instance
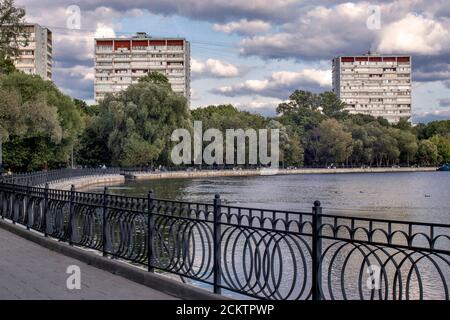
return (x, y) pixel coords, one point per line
(248, 252)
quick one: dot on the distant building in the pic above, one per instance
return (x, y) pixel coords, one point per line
(120, 62)
(36, 57)
(373, 84)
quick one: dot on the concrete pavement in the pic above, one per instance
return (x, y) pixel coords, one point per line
(29, 271)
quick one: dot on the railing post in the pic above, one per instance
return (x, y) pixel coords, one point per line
(316, 250)
(70, 226)
(27, 204)
(104, 218)
(217, 233)
(44, 218)
(150, 230)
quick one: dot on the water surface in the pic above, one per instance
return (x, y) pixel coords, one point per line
(420, 196)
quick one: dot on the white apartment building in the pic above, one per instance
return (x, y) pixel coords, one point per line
(120, 62)
(36, 57)
(374, 84)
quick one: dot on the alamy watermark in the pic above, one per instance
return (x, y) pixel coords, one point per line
(374, 279)
(73, 22)
(373, 22)
(231, 149)
(73, 282)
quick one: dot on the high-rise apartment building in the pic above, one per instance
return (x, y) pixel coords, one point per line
(374, 84)
(120, 62)
(36, 57)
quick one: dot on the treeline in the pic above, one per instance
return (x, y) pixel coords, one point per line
(42, 128)
(330, 135)
(316, 131)
(134, 129)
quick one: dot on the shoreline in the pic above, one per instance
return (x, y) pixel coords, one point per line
(255, 172)
(86, 182)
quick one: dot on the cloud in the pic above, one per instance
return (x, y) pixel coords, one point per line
(323, 31)
(213, 68)
(77, 81)
(243, 27)
(300, 31)
(445, 102)
(314, 35)
(104, 31)
(212, 10)
(265, 108)
(426, 117)
(280, 84)
(415, 35)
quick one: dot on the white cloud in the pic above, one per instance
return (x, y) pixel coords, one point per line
(213, 68)
(281, 84)
(104, 31)
(243, 26)
(415, 34)
(266, 108)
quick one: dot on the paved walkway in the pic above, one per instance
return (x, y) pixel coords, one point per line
(29, 271)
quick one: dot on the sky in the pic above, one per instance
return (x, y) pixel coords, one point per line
(254, 53)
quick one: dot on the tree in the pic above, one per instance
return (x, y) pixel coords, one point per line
(443, 146)
(136, 125)
(335, 144)
(384, 145)
(6, 65)
(433, 128)
(155, 77)
(362, 143)
(291, 149)
(427, 152)
(407, 143)
(331, 105)
(223, 117)
(36, 113)
(13, 34)
(301, 111)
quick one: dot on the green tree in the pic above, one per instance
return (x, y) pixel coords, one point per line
(155, 77)
(6, 65)
(407, 143)
(426, 131)
(335, 144)
(223, 117)
(427, 152)
(384, 147)
(331, 105)
(13, 35)
(443, 146)
(291, 149)
(136, 125)
(44, 113)
(301, 111)
(362, 143)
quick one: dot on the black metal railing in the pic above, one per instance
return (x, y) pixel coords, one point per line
(246, 252)
(55, 176)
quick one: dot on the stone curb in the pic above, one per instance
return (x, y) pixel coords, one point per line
(148, 279)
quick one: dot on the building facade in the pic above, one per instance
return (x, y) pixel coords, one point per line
(36, 57)
(373, 84)
(120, 62)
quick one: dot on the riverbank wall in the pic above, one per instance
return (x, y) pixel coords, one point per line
(85, 182)
(238, 173)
